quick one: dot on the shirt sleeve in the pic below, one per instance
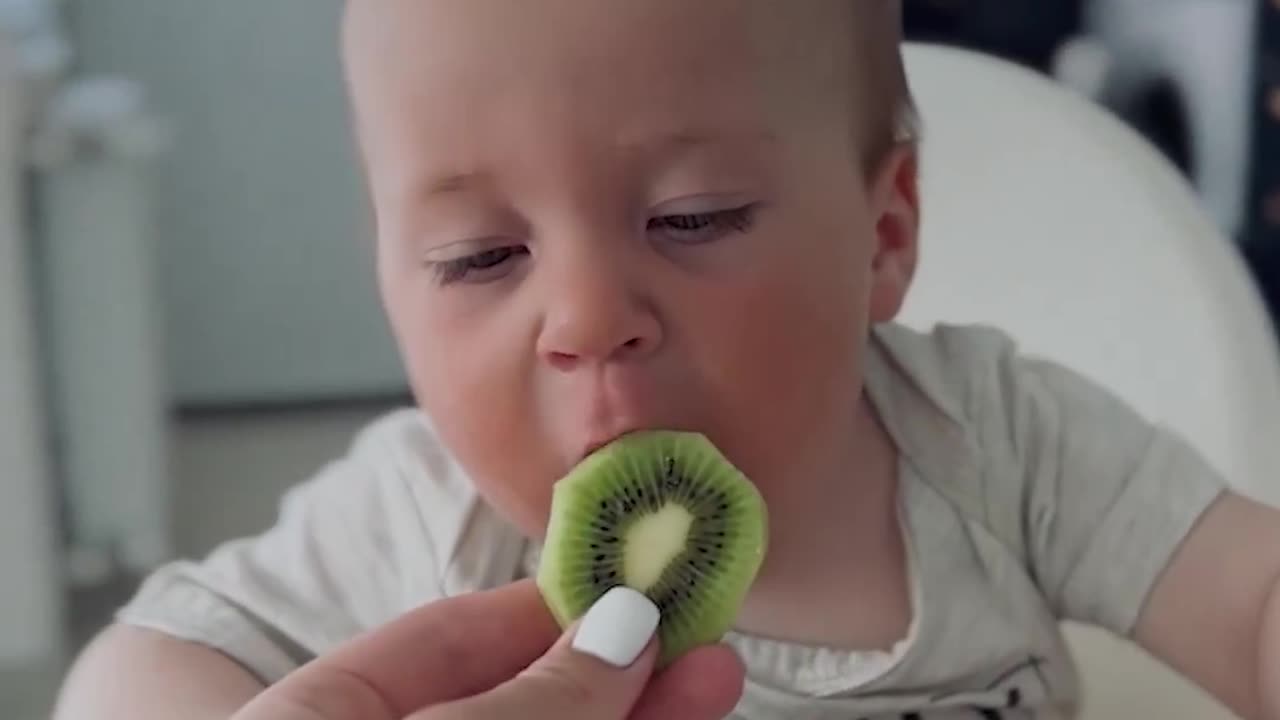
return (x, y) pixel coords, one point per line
(341, 558)
(1107, 497)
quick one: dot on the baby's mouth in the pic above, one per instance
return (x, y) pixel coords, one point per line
(604, 440)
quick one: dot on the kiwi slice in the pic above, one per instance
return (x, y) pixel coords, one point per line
(664, 513)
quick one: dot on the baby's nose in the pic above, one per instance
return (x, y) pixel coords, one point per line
(596, 312)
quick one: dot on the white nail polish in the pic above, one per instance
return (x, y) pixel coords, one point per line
(618, 627)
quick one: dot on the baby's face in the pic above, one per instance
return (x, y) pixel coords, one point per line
(601, 215)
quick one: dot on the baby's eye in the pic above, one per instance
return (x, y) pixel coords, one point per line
(704, 227)
(478, 267)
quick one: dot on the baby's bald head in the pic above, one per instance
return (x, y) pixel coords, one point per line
(876, 29)
(850, 49)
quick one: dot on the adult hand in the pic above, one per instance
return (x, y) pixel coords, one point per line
(498, 655)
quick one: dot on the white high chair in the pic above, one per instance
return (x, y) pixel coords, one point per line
(1047, 217)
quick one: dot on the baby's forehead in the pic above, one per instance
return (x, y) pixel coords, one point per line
(654, 40)
(466, 76)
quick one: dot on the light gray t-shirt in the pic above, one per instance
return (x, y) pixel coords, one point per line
(1029, 496)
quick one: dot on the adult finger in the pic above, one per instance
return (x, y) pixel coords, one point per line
(705, 684)
(597, 671)
(450, 649)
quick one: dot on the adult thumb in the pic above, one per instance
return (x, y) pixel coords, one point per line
(598, 669)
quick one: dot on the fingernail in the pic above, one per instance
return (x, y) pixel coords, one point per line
(618, 627)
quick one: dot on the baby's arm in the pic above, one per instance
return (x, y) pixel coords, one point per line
(349, 552)
(129, 673)
(1132, 530)
(1215, 614)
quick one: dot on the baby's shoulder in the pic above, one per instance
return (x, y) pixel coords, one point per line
(1056, 467)
(944, 397)
(955, 367)
(954, 398)
(390, 523)
(465, 543)
(402, 449)
(976, 382)
(992, 429)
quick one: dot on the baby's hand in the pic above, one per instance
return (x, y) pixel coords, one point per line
(498, 655)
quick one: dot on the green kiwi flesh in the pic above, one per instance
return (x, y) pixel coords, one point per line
(664, 513)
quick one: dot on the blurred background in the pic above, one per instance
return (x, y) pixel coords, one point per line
(188, 323)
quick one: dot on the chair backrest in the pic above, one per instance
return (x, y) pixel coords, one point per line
(1046, 216)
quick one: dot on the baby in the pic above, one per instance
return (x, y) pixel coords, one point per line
(597, 216)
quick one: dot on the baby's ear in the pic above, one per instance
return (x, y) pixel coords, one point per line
(895, 205)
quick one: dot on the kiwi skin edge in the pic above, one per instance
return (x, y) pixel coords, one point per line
(705, 617)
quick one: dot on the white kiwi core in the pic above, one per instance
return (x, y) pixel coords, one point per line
(652, 542)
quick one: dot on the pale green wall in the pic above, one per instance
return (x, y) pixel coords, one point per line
(267, 279)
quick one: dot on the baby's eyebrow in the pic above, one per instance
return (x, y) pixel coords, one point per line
(452, 183)
(420, 188)
(683, 140)
(655, 146)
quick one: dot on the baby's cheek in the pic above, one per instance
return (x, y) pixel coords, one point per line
(787, 377)
(794, 369)
(479, 403)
